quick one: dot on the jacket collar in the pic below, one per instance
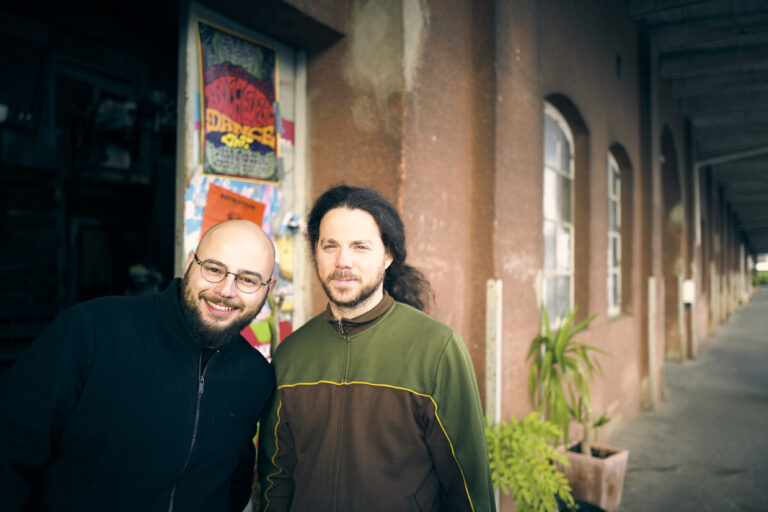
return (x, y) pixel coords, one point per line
(351, 326)
(170, 311)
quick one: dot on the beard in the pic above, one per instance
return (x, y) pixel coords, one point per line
(362, 296)
(208, 336)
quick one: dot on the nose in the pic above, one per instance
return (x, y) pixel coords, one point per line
(342, 258)
(226, 287)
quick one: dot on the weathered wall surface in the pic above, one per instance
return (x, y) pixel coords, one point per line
(518, 238)
(448, 159)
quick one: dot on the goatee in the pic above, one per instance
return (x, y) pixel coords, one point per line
(205, 335)
(361, 297)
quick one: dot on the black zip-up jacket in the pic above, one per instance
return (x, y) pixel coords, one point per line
(112, 408)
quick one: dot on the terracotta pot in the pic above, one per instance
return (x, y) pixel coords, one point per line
(597, 480)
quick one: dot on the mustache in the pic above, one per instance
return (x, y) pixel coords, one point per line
(342, 274)
(222, 302)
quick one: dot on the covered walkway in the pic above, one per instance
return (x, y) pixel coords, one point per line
(706, 445)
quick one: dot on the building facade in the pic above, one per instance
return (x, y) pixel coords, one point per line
(534, 149)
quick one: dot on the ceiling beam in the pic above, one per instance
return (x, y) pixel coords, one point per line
(702, 62)
(743, 198)
(751, 226)
(726, 119)
(645, 8)
(759, 128)
(720, 142)
(732, 157)
(745, 188)
(725, 102)
(721, 29)
(742, 168)
(723, 83)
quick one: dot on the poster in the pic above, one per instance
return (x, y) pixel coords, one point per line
(222, 204)
(196, 197)
(239, 80)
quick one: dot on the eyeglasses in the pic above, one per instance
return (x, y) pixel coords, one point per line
(215, 272)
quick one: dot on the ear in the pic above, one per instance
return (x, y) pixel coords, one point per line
(190, 259)
(388, 260)
(272, 283)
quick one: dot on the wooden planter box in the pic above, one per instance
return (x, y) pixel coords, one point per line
(598, 480)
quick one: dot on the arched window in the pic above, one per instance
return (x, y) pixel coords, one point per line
(557, 285)
(614, 237)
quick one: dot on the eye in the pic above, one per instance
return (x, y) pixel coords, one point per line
(362, 247)
(249, 281)
(213, 269)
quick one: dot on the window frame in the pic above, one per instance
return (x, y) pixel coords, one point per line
(613, 170)
(569, 225)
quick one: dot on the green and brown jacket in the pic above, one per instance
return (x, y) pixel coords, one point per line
(380, 413)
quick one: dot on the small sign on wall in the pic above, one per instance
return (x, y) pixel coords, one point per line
(222, 205)
(689, 291)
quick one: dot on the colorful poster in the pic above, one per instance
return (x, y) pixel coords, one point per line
(239, 89)
(222, 204)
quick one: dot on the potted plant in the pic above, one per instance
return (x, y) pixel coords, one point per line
(524, 462)
(559, 386)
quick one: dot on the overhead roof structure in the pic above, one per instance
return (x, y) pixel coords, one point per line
(715, 55)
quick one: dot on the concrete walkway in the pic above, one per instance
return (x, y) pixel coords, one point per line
(706, 445)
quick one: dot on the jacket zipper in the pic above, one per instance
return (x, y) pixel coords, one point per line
(341, 416)
(200, 387)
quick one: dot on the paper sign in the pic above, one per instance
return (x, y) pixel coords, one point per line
(222, 204)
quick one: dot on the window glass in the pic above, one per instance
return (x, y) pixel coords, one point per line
(565, 153)
(614, 237)
(613, 223)
(550, 245)
(550, 194)
(557, 283)
(565, 199)
(550, 142)
(563, 248)
(557, 296)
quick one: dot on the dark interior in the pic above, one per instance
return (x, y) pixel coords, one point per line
(87, 157)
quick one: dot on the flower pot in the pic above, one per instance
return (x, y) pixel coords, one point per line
(598, 479)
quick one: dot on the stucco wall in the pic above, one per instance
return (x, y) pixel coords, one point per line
(447, 197)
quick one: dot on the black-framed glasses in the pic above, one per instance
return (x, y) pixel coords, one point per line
(214, 272)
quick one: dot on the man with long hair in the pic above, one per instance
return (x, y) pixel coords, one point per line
(377, 406)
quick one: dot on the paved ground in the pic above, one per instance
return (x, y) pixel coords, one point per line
(705, 448)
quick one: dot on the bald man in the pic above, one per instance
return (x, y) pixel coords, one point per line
(145, 403)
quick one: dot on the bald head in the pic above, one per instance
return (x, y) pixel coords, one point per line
(243, 240)
(214, 306)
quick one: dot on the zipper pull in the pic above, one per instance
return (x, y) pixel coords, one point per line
(341, 326)
(200, 386)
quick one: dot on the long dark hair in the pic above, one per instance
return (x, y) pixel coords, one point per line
(403, 282)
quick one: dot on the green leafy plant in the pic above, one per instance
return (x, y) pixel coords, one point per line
(559, 378)
(522, 457)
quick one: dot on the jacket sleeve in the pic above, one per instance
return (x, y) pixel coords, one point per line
(277, 459)
(457, 438)
(37, 396)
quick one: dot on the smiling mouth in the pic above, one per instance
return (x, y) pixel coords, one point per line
(220, 308)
